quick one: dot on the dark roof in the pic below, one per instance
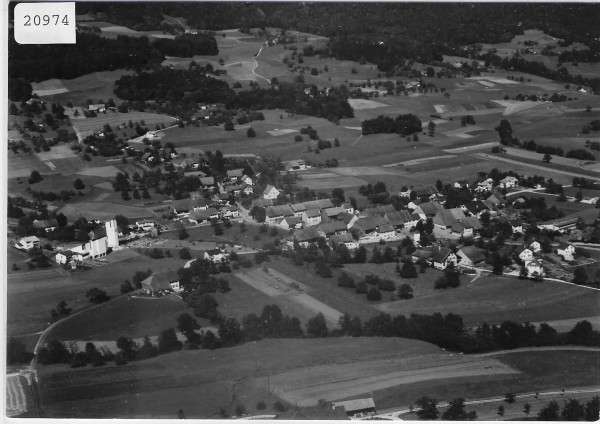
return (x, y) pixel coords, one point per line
(332, 227)
(439, 254)
(430, 208)
(45, 223)
(386, 228)
(160, 280)
(97, 233)
(307, 234)
(380, 210)
(342, 238)
(444, 218)
(311, 213)
(473, 253)
(425, 190)
(235, 173)
(279, 210)
(369, 223)
(318, 204)
(472, 222)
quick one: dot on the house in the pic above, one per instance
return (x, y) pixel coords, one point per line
(422, 254)
(183, 207)
(357, 408)
(270, 193)
(207, 183)
(535, 246)
(216, 255)
(333, 213)
(566, 250)
(534, 269)
(496, 199)
(444, 219)
(525, 254)
(484, 186)
(428, 209)
(562, 226)
(27, 243)
(306, 236)
(475, 208)
(345, 239)
(277, 213)
(100, 107)
(469, 256)
(298, 209)
(296, 165)
(262, 203)
(67, 257)
(202, 216)
(291, 223)
(348, 207)
(386, 232)
(348, 219)
(311, 217)
(234, 174)
(430, 191)
(516, 225)
(319, 204)
(47, 225)
(332, 228)
(401, 219)
(229, 212)
(508, 182)
(145, 224)
(368, 226)
(161, 282)
(441, 257)
(247, 180)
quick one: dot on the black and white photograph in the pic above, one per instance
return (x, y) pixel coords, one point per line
(301, 211)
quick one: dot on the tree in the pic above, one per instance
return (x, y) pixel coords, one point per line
(16, 352)
(527, 408)
(427, 408)
(581, 334)
(505, 132)
(373, 294)
(360, 257)
(251, 133)
(228, 126)
(408, 270)
(431, 128)
(592, 409)
(35, 177)
(549, 412)
(573, 410)
(405, 291)
(188, 325)
(96, 295)
(127, 348)
(316, 326)
(126, 287)
(510, 398)
(182, 234)
(78, 184)
(456, 411)
(230, 332)
(167, 341)
(184, 253)
(344, 280)
(500, 410)
(547, 158)
(61, 309)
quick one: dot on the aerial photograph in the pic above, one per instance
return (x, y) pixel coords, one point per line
(304, 211)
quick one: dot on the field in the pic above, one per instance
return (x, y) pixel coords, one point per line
(104, 211)
(32, 294)
(87, 126)
(66, 390)
(491, 299)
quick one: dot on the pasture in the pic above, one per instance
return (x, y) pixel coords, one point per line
(491, 299)
(32, 294)
(212, 373)
(86, 126)
(105, 211)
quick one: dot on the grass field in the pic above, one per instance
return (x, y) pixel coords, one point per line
(491, 299)
(212, 375)
(32, 294)
(87, 126)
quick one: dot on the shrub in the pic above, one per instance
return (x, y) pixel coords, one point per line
(373, 294)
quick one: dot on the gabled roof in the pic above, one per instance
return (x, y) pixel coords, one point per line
(425, 190)
(439, 254)
(444, 218)
(386, 228)
(319, 204)
(398, 218)
(515, 223)
(293, 220)
(332, 227)
(312, 213)
(422, 253)
(160, 280)
(29, 239)
(45, 223)
(213, 252)
(335, 211)
(207, 181)
(472, 222)
(201, 215)
(369, 223)
(562, 245)
(235, 173)
(279, 210)
(533, 263)
(268, 189)
(298, 207)
(342, 238)
(355, 404)
(430, 208)
(262, 203)
(474, 254)
(97, 233)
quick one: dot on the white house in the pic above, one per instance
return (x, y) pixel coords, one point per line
(27, 243)
(534, 268)
(535, 246)
(247, 180)
(345, 239)
(311, 217)
(145, 224)
(525, 254)
(567, 251)
(270, 193)
(386, 232)
(216, 255)
(470, 256)
(508, 182)
(442, 257)
(162, 282)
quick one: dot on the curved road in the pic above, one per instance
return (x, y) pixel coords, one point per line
(256, 63)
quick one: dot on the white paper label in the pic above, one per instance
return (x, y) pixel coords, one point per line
(45, 23)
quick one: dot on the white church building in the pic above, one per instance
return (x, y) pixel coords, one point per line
(101, 239)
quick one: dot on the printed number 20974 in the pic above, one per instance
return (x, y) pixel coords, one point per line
(44, 20)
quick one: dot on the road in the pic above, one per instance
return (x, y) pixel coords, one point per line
(254, 70)
(487, 408)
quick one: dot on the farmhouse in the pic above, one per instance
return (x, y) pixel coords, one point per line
(100, 107)
(161, 282)
(311, 217)
(298, 209)
(306, 236)
(562, 226)
(476, 208)
(333, 213)
(428, 190)
(534, 268)
(368, 226)
(379, 210)
(357, 408)
(203, 216)
(428, 209)
(183, 207)
(446, 218)
(291, 223)
(216, 255)
(566, 250)
(469, 256)
(27, 243)
(234, 174)
(386, 232)
(535, 246)
(516, 225)
(46, 225)
(145, 224)
(525, 254)
(277, 213)
(345, 239)
(442, 257)
(508, 182)
(229, 212)
(67, 257)
(332, 228)
(296, 165)
(270, 192)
